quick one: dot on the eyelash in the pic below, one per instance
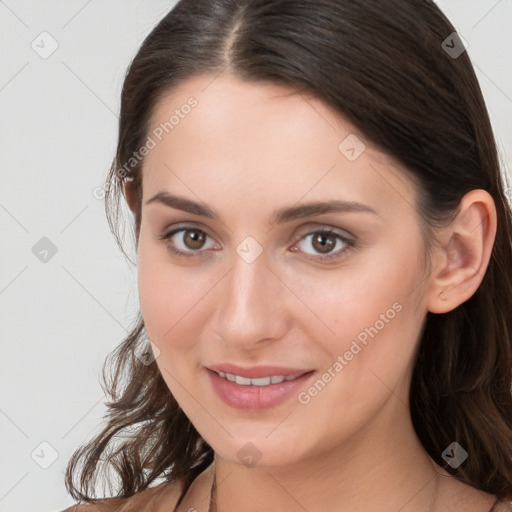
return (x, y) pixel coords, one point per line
(349, 244)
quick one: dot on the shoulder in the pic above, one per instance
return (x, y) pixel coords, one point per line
(83, 508)
(89, 507)
(159, 498)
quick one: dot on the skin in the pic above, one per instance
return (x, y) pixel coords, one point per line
(246, 150)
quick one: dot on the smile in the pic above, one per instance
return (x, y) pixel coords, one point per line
(263, 381)
(256, 394)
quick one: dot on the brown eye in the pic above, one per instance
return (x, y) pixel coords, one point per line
(324, 242)
(194, 238)
(190, 242)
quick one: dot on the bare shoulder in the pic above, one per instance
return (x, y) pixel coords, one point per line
(159, 498)
(89, 507)
(108, 505)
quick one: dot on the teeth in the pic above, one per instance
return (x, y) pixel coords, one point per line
(243, 381)
(263, 381)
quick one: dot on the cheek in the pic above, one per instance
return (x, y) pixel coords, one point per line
(370, 313)
(345, 302)
(170, 304)
(170, 298)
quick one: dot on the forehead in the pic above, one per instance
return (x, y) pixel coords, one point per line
(263, 141)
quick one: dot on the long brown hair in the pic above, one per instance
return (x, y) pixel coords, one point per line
(390, 68)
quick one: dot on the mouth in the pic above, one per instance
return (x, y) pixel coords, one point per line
(258, 393)
(256, 372)
(261, 381)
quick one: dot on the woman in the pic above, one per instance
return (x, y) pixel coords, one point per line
(324, 251)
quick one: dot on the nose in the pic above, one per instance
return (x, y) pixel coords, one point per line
(252, 304)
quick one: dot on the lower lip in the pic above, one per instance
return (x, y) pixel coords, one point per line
(255, 398)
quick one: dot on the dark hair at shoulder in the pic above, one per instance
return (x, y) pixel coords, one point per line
(382, 65)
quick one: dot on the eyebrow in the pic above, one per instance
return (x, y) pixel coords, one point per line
(278, 217)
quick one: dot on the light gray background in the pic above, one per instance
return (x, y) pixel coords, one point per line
(59, 319)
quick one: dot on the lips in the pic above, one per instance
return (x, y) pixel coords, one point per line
(256, 397)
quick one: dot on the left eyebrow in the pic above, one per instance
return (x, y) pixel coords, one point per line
(280, 216)
(319, 208)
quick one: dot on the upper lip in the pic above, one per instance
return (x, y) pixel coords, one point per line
(255, 372)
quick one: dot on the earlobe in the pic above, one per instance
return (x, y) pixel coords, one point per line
(464, 256)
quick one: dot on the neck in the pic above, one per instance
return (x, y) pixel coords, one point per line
(384, 459)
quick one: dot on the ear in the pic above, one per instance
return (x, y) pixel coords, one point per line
(464, 253)
(130, 195)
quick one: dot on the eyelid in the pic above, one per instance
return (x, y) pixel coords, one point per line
(316, 227)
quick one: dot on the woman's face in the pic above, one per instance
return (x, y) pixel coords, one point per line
(258, 284)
